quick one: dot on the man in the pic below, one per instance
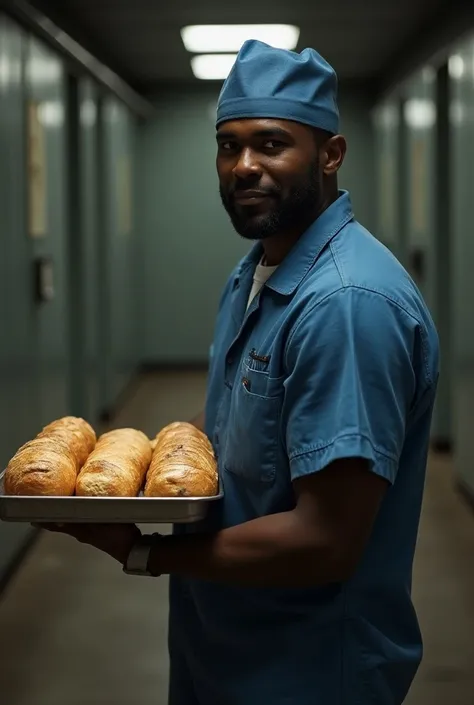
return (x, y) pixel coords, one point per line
(321, 389)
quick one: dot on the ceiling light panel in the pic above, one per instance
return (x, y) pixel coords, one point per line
(229, 38)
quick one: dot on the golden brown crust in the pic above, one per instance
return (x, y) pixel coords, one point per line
(78, 434)
(183, 464)
(117, 466)
(48, 464)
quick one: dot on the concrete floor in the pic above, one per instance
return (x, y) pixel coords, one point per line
(75, 631)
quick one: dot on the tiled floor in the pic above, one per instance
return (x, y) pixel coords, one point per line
(75, 631)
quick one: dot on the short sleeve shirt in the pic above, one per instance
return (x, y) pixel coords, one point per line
(336, 357)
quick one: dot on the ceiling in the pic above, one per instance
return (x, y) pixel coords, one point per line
(140, 39)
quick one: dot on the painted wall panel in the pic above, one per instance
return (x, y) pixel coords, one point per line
(462, 191)
(19, 398)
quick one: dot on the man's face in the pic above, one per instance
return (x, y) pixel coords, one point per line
(270, 180)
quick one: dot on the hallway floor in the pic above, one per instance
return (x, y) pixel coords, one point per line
(75, 631)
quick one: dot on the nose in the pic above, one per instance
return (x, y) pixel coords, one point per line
(247, 165)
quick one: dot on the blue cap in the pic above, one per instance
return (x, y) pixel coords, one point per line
(275, 83)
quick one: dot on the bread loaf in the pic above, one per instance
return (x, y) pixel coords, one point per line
(78, 434)
(117, 466)
(182, 465)
(49, 464)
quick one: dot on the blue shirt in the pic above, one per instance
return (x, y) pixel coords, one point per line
(336, 357)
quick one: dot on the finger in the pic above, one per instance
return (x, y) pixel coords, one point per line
(81, 532)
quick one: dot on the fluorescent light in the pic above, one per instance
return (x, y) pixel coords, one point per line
(456, 66)
(420, 113)
(51, 113)
(230, 37)
(212, 66)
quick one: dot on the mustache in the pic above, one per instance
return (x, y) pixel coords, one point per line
(247, 186)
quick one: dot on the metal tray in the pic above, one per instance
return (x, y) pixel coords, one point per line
(104, 510)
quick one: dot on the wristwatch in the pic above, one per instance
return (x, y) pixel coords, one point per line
(139, 556)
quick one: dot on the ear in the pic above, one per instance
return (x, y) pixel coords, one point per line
(332, 154)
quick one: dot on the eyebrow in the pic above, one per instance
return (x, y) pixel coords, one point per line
(267, 132)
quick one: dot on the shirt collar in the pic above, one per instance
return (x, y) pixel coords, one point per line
(307, 249)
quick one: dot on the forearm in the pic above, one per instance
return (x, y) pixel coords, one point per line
(272, 551)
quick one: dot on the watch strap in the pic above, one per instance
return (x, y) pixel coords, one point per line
(138, 558)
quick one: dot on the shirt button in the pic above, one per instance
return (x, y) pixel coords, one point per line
(246, 383)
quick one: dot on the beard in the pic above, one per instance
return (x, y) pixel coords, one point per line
(298, 207)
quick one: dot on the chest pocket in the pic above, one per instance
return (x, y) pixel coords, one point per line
(253, 427)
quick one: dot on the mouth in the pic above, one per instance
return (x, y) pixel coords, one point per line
(250, 198)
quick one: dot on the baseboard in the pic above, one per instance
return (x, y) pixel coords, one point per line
(154, 366)
(442, 445)
(14, 564)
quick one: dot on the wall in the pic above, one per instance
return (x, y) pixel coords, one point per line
(412, 206)
(34, 371)
(74, 352)
(19, 399)
(462, 172)
(45, 93)
(419, 171)
(187, 244)
(387, 137)
(358, 171)
(106, 311)
(422, 163)
(87, 391)
(119, 349)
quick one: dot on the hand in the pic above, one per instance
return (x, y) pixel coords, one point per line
(114, 539)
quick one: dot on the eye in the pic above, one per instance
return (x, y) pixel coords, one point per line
(227, 146)
(273, 144)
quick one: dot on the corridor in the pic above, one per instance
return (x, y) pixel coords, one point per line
(76, 631)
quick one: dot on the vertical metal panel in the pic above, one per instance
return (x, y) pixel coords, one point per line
(19, 408)
(462, 170)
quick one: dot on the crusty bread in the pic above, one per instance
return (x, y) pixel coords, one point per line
(117, 466)
(48, 464)
(78, 434)
(182, 465)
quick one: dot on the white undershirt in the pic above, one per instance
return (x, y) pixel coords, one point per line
(261, 275)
